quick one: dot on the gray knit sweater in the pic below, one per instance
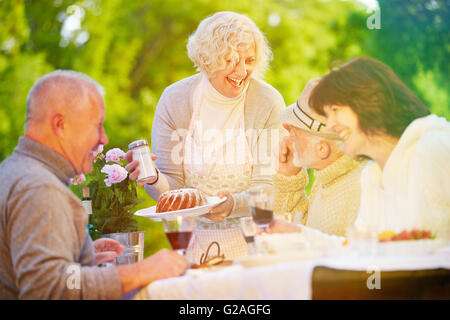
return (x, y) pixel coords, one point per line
(45, 250)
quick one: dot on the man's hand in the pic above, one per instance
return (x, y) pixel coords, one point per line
(281, 226)
(132, 167)
(107, 250)
(286, 156)
(163, 264)
(223, 210)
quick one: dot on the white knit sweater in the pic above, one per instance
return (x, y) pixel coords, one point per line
(413, 189)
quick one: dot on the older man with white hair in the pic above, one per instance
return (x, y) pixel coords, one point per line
(334, 201)
(45, 249)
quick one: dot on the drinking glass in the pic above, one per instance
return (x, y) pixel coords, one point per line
(179, 232)
(248, 228)
(133, 243)
(260, 199)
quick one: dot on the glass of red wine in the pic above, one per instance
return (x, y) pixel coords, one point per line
(179, 232)
(249, 230)
(260, 199)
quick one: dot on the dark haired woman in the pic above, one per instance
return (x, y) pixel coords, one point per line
(407, 185)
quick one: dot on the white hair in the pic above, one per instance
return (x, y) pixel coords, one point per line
(220, 35)
(52, 86)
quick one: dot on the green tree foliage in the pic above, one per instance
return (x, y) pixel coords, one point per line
(137, 48)
(414, 40)
(19, 68)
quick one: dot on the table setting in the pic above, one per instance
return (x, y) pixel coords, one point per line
(282, 265)
(281, 275)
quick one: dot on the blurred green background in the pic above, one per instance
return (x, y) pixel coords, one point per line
(137, 48)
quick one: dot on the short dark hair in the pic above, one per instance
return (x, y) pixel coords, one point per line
(382, 102)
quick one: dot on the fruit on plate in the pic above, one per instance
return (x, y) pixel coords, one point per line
(414, 234)
(386, 235)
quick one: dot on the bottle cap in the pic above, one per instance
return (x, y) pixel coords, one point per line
(138, 143)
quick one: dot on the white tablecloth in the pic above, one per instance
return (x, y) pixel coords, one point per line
(282, 281)
(290, 280)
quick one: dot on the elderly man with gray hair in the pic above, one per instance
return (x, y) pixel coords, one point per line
(334, 201)
(45, 249)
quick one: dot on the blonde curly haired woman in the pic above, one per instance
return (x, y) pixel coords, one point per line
(215, 131)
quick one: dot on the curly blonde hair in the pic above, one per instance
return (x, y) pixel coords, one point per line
(218, 37)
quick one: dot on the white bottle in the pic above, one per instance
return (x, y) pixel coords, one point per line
(141, 153)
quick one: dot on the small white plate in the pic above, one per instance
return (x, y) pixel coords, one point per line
(172, 215)
(410, 247)
(202, 271)
(398, 248)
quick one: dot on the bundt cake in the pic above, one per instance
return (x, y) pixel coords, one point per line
(179, 199)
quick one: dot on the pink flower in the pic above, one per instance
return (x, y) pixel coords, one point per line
(114, 155)
(78, 179)
(115, 173)
(99, 150)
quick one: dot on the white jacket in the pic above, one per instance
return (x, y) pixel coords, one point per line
(413, 189)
